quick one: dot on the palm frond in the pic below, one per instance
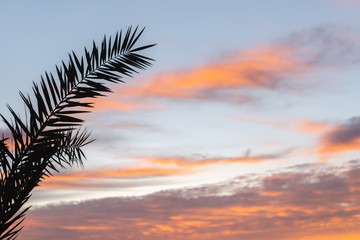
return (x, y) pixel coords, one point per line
(50, 136)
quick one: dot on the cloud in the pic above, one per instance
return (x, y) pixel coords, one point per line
(262, 68)
(235, 78)
(301, 126)
(309, 201)
(342, 137)
(332, 137)
(259, 120)
(105, 178)
(191, 163)
(97, 120)
(120, 105)
(159, 167)
(326, 46)
(313, 127)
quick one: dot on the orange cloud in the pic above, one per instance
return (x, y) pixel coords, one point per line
(323, 200)
(302, 126)
(263, 68)
(191, 163)
(103, 178)
(334, 138)
(311, 127)
(233, 78)
(105, 104)
(169, 166)
(329, 147)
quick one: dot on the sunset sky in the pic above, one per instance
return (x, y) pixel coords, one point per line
(247, 126)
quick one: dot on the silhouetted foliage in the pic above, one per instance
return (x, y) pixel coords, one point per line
(50, 136)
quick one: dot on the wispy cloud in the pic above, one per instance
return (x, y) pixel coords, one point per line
(191, 163)
(313, 127)
(120, 105)
(326, 46)
(155, 167)
(320, 198)
(331, 137)
(259, 120)
(105, 178)
(301, 125)
(281, 65)
(261, 68)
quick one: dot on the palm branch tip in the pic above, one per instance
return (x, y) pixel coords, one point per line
(51, 135)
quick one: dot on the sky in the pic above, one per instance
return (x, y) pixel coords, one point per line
(246, 126)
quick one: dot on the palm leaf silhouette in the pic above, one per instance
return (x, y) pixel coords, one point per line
(50, 137)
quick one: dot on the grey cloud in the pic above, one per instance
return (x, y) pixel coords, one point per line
(345, 132)
(326, 45)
